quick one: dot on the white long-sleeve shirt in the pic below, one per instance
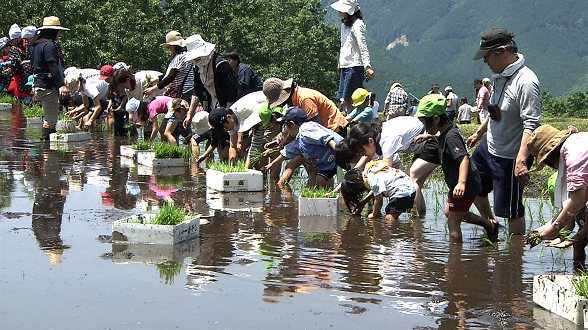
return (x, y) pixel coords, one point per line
(354, 49)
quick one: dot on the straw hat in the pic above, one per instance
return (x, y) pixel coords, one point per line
(174, 38)
(197, 47)
(545, 140)
(52, 23)
(277, 91)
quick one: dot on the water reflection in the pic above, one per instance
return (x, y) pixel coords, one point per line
(359, 264)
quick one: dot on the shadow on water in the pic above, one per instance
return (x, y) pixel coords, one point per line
(255, 258)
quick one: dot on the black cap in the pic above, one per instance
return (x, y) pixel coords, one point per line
(435, 85)
(464, 100)
(216, 118)
(492, 39)
(295, 114)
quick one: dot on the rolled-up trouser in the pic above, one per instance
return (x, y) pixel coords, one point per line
(49, 99)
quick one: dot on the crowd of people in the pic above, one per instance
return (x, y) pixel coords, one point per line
(206, 96)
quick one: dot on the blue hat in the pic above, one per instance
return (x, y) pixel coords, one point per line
(295, 114)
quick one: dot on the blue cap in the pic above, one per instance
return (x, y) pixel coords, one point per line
(295, 114)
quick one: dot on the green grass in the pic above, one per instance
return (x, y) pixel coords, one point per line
(142, 145)
(580, 284)
(257, 155)
(317, 192)
(226, 167)
(170, 215)
(166, 150)
(168, 270)
(34, 111)
(5, 98)
(63, 117)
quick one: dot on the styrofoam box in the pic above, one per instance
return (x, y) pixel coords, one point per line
(69, 146)
(318, 224)
(318, 206)
(128, 151)
(251, 180)
(35, 121)
(65, 125)
(128, 162)
(5, 107)
(150, 170)
(235, 201)
(70, 137)
(155, 253)
(147, 158)
(556, 294)
(131, 230)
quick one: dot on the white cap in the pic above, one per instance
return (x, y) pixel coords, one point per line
(200, 124)
(29, 31)
(448, 88)
(121, 66)
(132, 107)
(14, 32)
(346, 6)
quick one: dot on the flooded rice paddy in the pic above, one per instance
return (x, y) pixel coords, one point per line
(255, 265)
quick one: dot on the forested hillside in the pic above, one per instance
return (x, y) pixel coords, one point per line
(440, 39)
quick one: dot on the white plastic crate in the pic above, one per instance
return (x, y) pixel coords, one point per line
(235, 201)
(70, 137)
(328, 207)
(556, 294)
(131, 230)
(251, 180)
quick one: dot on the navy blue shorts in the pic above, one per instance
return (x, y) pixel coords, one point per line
(350, 80)
(400, 205)
(328, 174)
(497, 174)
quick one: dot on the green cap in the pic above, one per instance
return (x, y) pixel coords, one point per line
(431, 105)
(265, 113)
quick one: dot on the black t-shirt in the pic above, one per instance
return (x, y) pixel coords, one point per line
(451, 147)
(44, 53)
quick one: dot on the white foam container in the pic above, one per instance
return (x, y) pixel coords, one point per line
(131, 230)
(252, 180)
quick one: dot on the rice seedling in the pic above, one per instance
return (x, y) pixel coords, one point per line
(166, 150)
(63, 117)
(256, 155)
(169, 270)
(487, 242)
(170, 215)
(580, 284)
(317, 192)
(67, 129)
(227, 167)
(34, 111)
(534, 238)
(5, 98)
(142, 145)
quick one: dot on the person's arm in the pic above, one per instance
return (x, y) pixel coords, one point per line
(289, 170)
(359, 31)
(169, 133)
(529, 101)
(459, 189)
(521, 171)
(123, 102)
(233, 150)
(269, 166)
(97, 110)
(193, 104)
(479, 134)
(155, 129)
(207, 153)
(378, 203)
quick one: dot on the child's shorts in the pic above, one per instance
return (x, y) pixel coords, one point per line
(328, 174)
(460, 204)
(400, 204)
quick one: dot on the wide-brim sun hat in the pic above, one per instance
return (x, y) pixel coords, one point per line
(200, 124)
(277, 91)
(346, 6)
(545, 139)
(198, 47)
(52, 23)
(174, 38)
(432, 105)
(359, 96)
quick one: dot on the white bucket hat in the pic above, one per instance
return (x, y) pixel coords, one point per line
(28, 31)
(14, 32)
(197, 47)
(200, 124)
(132, 107)
(346, 6)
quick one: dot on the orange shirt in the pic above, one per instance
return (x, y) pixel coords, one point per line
(314, 103)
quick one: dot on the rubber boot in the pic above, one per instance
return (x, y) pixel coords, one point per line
(45, 133)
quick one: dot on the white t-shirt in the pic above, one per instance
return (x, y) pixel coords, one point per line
(465, 112)
(454, 101)
(391, 182)
(246, 110)
(96, 88)
(398, 135)
(376, 108)
(142, 84)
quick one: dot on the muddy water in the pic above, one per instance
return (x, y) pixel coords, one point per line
(255, 269)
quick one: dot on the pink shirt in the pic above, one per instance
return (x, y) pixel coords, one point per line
(483, 98)
(574, 152)
(158, 105)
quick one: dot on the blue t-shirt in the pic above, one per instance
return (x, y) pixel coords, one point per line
(366, 115)
(312, 144)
